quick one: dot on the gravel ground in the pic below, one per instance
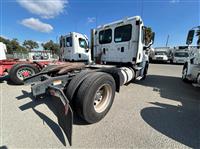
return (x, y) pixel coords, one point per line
(159, 112)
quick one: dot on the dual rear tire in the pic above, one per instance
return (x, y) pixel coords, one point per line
(94, 96)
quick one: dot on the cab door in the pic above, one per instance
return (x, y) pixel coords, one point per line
(123, 50)
(68, 48)
(105, 45)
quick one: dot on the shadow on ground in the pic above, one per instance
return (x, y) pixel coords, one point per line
(4, 78)
(179, 122)
(3, 147)
(55, 106)
(7, 80)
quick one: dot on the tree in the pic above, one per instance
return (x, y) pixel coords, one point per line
(15, 46)
(12, 45)
(30, 44)
(148, 35)
(51, 46)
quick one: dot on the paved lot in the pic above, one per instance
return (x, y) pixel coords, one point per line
(160, 112)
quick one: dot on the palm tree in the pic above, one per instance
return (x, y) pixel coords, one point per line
(148, 35)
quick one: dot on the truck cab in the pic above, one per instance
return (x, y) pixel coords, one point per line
(74, 47)
(120, 42)
(191, 68)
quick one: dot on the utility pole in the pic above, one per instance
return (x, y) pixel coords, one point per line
(167, 40)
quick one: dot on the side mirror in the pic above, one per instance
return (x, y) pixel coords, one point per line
(148, 36)
(152, 37)
(190, 37)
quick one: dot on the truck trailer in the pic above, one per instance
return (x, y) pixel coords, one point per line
(119, 55)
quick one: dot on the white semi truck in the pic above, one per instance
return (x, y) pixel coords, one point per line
(119, 55)
(75, 47)
(191, 68)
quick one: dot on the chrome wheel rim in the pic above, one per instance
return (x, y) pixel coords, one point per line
(102, 98)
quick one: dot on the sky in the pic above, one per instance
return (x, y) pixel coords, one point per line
(44, 20)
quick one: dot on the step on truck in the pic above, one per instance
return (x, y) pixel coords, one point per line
(119, 55)
(191, 68)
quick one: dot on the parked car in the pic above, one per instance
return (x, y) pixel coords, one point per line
(160, 56)
(180, 57)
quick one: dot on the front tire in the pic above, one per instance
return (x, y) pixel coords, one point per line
(95, 97)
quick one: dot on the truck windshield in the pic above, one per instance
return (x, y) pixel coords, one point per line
(105, 36)
(82, 43)
(181, 54)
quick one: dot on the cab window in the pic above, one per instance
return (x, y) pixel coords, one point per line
(82, 43)
(68, 42)
(105, 36)
(123, 33)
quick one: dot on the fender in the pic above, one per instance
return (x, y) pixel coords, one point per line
(116, 74)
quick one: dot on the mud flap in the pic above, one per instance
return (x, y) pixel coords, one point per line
(64, 112)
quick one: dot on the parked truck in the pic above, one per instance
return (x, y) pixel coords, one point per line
(161, 54)
(191, 68)
(119, 55)
(74, 47)
(180, 56)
